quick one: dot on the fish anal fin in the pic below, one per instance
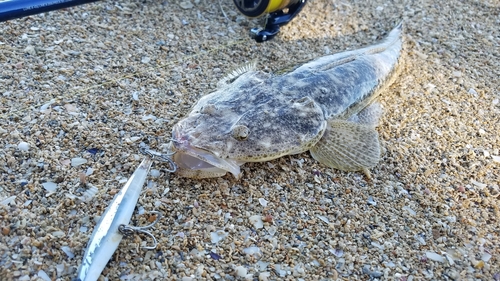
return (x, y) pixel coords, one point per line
(348, 146)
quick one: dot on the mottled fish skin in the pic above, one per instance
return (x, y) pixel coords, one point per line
(259, 117)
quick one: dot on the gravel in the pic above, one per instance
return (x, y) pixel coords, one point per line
(82, 88)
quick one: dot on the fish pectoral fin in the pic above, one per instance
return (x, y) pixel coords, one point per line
(348, 146)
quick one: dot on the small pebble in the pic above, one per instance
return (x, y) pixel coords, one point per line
(256, 221)
(472, 92)
(58, 234)
(241, 271)
(495, 158)
(68, 251)
(50, 186)
(479, 184)
(186, 5)
(252, 250)
(75, 162)
(486, 257)
(264, 276)
(215, 256)
(60, 268)
(30, 50)
(218, 236)
(434, 257)
(337, 252)
(23, 146)
(43, 275)
(324, 219)
(5, 230)
(8, 200)
(89, 171)
(155, 173)
(263, 202)
(70, 108)
(371, 201)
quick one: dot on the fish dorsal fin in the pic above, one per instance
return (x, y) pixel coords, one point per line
(348, 146)
(339, 62)
(233, 75)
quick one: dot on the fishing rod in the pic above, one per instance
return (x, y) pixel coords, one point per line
(13, 9)
(277, 12)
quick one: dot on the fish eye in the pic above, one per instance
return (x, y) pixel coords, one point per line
(240, 132)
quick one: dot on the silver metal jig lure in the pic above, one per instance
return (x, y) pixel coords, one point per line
(113, 225)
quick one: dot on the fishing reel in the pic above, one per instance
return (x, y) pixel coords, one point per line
(279, 13)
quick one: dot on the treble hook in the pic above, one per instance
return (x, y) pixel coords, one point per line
(128, 230)
(155, 155)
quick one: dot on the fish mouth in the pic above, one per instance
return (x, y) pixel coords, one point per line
(192, 158)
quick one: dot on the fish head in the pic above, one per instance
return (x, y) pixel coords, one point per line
(200, 143)
(218, 137)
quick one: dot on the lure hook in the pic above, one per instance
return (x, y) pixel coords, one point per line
(129, 230)
(163, 157)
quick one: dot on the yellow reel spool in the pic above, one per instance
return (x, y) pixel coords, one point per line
(255, 8)
(275, 5)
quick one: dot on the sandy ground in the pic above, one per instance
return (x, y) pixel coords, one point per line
(94, 81)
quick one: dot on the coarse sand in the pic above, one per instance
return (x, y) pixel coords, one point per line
(81, 88)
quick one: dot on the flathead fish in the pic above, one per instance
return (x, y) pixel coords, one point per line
(327, 106)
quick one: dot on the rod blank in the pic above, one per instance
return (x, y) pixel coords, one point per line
(12, 9)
